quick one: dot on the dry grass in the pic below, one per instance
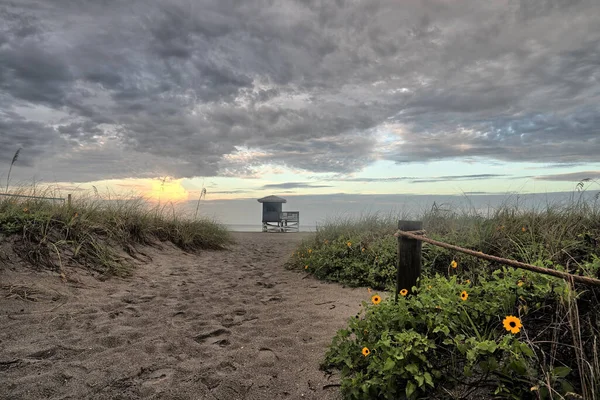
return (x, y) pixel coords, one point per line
(96, 232)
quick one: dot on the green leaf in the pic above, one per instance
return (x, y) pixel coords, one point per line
(519, 367)
(420, 380)
(442, 328)
(488, 346)
(566, 387)
(410, 388)
(412, 368)
(428, 379)
(467, 371)
(389, 364)
(527, 350)
(561, 372)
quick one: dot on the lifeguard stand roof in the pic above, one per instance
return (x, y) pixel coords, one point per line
(272, 199)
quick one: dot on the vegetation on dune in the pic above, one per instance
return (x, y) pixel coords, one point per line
(470, 329)
(96, 232)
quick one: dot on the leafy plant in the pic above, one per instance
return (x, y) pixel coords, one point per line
(562, 324)
(433, 343)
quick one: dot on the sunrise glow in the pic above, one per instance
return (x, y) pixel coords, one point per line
(165, 190)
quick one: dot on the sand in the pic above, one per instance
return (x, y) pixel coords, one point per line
(231, 324)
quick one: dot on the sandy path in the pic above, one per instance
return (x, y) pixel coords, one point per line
(220, 325)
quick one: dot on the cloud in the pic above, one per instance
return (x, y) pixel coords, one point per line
(293, 185)
(229, 192)
(424, 180)
(475, 177)
(99, 90)
(571, 177)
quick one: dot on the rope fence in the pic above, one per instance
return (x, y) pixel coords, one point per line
(418, 235)
(32, 197)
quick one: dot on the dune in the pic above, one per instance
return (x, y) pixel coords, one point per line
(231, 324)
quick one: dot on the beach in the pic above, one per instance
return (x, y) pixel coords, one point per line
(230, 324)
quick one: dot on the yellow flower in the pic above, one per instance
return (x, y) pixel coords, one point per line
(363, 249)
(464, 295)
(309, 251)
(366, 351)
(454, 264)
(26, 209)
(306, 267)
(512, 324)
(428, 287)
(403, 292)
(349, 244)
(376, 299)
(520, 283)
(468, 281)
(523, 229)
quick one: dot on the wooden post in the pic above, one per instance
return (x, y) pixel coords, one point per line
(69, 200)
(409, 257)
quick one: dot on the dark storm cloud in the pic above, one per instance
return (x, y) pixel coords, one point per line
(17, 132)
(116, 89)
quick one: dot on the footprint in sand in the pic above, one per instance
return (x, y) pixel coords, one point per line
(153, 381)
(43, 354)
(266, 357)
(129, 311)
(219, 334)
(211, 381)
(222, 342)
(111, 342)
(271, 299)
(267, 285)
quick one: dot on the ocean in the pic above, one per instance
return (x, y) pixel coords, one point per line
(244, 215)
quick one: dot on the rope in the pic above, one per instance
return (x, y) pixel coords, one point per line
(416, 235)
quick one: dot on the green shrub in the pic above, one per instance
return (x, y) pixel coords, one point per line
(436, 343)
(462, 347)
(557, 236)
(356, 263)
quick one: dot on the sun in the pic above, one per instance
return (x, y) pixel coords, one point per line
(167, 190)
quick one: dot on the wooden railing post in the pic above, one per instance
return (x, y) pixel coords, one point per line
(409, 257)
(69, 200)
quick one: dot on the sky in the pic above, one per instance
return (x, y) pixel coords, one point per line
(300, 97)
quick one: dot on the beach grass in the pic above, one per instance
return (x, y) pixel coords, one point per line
(99, 232)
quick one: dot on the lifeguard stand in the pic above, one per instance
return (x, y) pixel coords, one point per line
(274, 219)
